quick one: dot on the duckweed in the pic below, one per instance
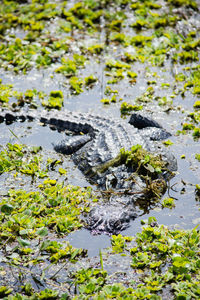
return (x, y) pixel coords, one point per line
(68, 67)
(132, 75)
(126, 108)
(178, 3)
(76, 85)
(197, 156)
(55, 100)
(105, 101)
(96, 49)
(113, 64)
(90, 80)
(196, 105)
(168, 143)
(7, 92)
(168, 202)
(186, 56)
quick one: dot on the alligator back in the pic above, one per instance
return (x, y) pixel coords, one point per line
(105, 137)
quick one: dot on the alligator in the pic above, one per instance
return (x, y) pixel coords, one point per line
(96, 143)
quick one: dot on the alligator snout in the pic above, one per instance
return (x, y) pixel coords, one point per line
(110, 219)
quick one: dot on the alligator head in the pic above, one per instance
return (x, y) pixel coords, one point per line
(110, 218)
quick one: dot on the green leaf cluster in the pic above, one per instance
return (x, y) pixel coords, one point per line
(126, 108)
(55, 207)
(7, 92)
(76, 85)
(193, 126)
(168, 202)
(58, 252)
(16, 157)
(118, 242)
(55, 100)
(177, 252)
(142, 161)
(89, 281)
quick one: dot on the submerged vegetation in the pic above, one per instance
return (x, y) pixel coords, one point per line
(136, 55)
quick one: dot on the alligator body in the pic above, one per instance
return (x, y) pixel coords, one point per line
(97, 141)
